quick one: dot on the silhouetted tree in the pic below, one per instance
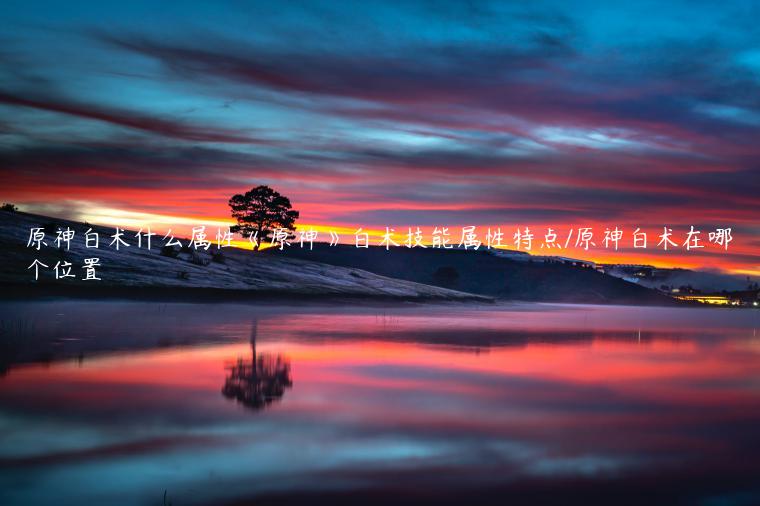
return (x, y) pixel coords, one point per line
(218, 257)
(8, 207)
(169, 251)
(446, 276)
(262, 210)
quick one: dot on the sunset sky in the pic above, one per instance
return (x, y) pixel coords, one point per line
(539, 114)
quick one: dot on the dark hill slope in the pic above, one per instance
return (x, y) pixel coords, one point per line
(484, 273)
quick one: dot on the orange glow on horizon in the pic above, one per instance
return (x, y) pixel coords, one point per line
(181, 226)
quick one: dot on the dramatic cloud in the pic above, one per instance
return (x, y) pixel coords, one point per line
(127, 119)
(413, 114)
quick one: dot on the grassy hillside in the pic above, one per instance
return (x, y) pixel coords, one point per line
(188, 275)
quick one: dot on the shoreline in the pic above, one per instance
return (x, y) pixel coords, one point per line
(169, 294)
(25, 292)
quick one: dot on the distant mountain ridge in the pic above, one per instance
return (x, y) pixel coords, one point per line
(485, 273)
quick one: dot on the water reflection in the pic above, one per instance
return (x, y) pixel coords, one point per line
(516, 404)
(260, 381)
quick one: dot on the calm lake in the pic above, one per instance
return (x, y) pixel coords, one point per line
(153, 403)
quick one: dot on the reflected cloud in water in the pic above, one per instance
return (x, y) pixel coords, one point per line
(460, 404)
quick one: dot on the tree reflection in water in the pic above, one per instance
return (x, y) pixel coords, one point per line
(260, 381)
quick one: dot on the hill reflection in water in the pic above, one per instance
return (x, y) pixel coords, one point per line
(117, 402)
